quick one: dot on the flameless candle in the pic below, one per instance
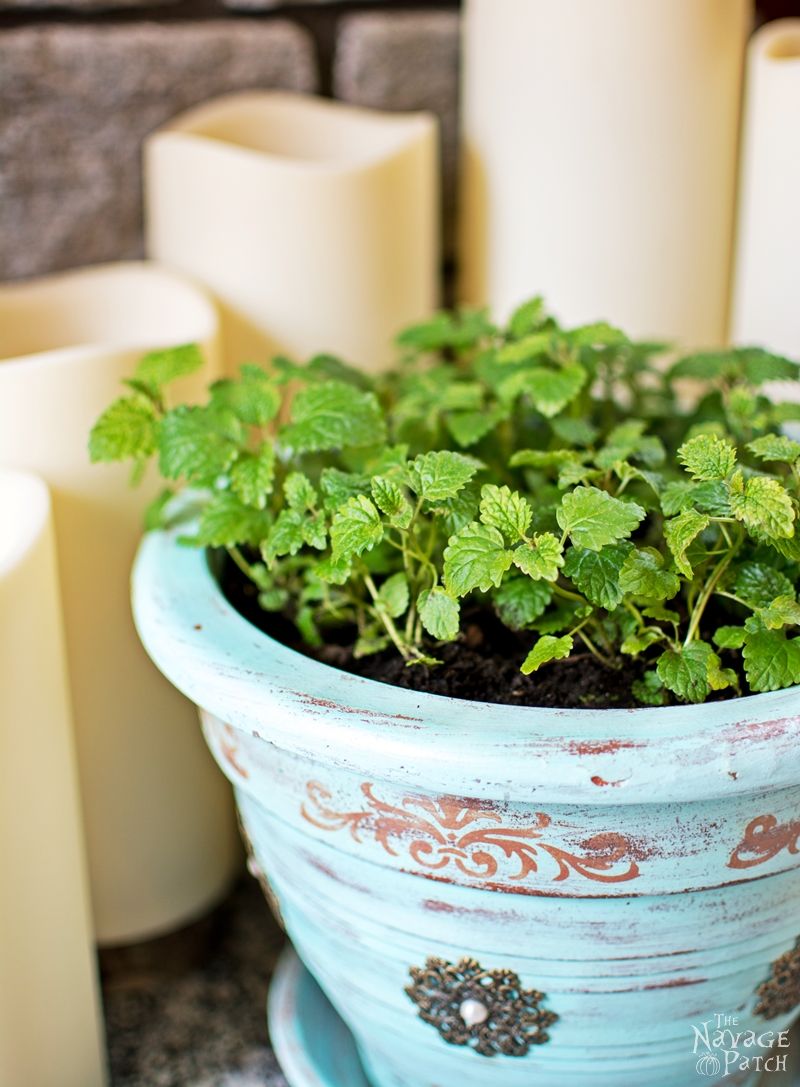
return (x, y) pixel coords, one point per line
(315, 224)
(765, 309)
(600, 159)
(50, 1033)
(159, 821)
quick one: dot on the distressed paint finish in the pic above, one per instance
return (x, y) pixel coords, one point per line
(639, 867)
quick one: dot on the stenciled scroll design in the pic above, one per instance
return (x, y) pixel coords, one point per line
(764, 838)
(470, 836)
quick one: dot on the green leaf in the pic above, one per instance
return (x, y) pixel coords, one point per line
(529, 347)
(760, 365)
(758, 585)
(227, 522)
(439, 614)
(447, 330)
(593, 518)
(506, 510)
(596, 573)
(552, 390)
(649, 690)
(468, 427)
(391, 501)
(356, 527)
(771, 660)
(333, 415)
(393, 596)
(565, 615)
(442, 474)
(597, 334)
(127, 428)
(334, 571)
(253, 399)
(198, 443)
(338, 486)
(627, 441)
(299, 492)
(729, 637)
(704, 365)
(542, 557)
(315, 532)
(784, 611)
(475, 558)
(519, 601)
(680, 532)
(642, 574)
(686, 672)
(676, 496)
(252, 476)
(158, 368)
(660, 613)
(711, 498)
(527, 318)
(462, 396)
(640, 641)
(155, 515)
(762, 504)
(544, 458)
(708, 457)
(285, 537)
(547, 649)
(576, 431)
(775, 447)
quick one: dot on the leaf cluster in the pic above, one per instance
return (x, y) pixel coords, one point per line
(553, 475)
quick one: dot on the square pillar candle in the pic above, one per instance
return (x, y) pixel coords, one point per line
(159, 822)
(765, 302)
(600, 159)
(315, 224)
(50, 1033)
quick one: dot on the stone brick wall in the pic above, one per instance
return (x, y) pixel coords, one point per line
(82, 82)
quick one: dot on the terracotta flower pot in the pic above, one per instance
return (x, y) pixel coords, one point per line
(615, 879)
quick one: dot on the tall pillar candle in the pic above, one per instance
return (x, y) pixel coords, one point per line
(159, 823)
(315, 224)
(765, 302)
(50, 1034)
(600, 142)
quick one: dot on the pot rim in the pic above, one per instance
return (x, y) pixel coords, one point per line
(234, 671)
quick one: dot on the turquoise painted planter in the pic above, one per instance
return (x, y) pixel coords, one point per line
(638, 870)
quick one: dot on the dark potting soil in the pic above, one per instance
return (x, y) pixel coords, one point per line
(482, 665)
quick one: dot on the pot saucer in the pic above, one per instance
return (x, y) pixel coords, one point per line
(313, 1046)
(315, 1049)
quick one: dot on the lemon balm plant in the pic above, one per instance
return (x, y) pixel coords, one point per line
(555, 477)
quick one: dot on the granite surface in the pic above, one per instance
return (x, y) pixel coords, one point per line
(190, 1011)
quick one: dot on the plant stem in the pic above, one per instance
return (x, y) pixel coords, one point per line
(387, 620)
(242, 563)
(705, 596)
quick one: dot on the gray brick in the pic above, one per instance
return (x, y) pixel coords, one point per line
(77, 102)
(271, 5)
(405, 61)
(77, 5)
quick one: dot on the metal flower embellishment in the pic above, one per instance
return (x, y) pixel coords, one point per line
(781, 992)
(487, 1010)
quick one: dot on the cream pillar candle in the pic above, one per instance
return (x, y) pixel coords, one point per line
(315, 224)
(765, 305)
(50, 1033)
(159, 821)
(600, 159)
